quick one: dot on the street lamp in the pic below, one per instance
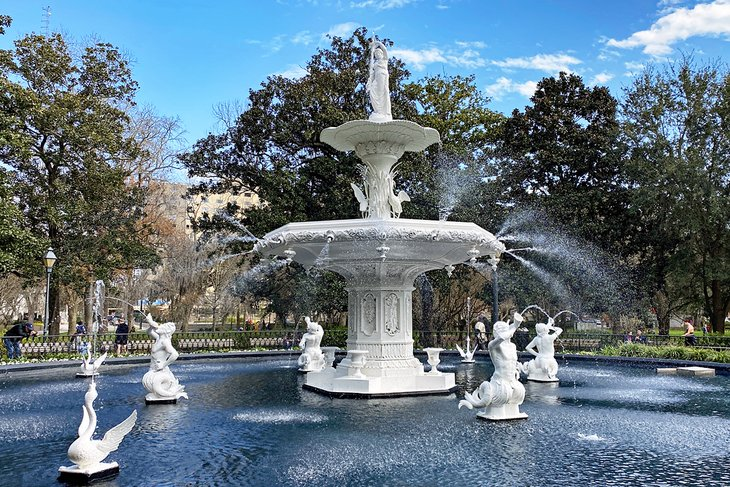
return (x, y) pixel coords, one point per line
(494, 260)
(48, 260)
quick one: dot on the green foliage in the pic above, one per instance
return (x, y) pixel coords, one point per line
(562, 156)
(17, 243)
(675, 124)
(695, 354)
(63, 138)
(335, 337)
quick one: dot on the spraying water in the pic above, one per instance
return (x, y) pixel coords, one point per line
(247, 235)
(454, 181)
(574, 270)
(534, 306)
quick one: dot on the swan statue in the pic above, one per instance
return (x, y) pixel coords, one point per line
(361, 198)
(89, 368)
(86, 453)
(467, 356)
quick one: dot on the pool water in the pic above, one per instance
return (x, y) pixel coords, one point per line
(248, 422)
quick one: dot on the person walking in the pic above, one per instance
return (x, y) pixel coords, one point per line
(122, 336)
(689, 335)
(78, 336)
(14, 335)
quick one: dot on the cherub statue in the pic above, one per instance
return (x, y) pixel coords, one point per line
(312, 358)
(544, 367)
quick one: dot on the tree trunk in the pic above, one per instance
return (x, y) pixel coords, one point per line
(719, 309)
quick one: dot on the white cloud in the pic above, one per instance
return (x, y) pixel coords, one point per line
(632, 68)
(381, 4)
(341, 30)
(550, 63)
(419, 59)
(504, 86)
(705, 19)
(601, 79)
(293, 71)
(474, 44)
(468, 59)
(303, 37)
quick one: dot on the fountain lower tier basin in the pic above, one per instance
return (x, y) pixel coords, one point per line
(338, 245)
(249, 422)
(344, 381)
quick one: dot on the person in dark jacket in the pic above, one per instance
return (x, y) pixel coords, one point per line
(122, 335)
(14, 335)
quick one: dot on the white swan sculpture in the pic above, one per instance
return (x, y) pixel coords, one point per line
(86, 453)
(91, 368)
(467, 356)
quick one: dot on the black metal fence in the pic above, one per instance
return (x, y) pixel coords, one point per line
(61, 346)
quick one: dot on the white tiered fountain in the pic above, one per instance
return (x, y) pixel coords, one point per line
(380, 255)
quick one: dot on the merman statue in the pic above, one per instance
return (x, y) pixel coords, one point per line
(502, 395)
(159, 381)
(312, 358)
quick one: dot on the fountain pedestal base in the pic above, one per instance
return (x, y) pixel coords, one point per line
(77, 475)
(87, 374)
(502, 413)
(340, 382)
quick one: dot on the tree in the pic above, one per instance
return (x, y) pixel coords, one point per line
(17, 243)
(562, 155)
(182, 279)
(561, 159)
(442, 178)
(677, 129)
(62, 135)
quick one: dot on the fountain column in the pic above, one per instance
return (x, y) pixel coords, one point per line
(380, 321)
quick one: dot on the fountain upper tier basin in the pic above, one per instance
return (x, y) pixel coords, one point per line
(366, 137)
(337, 243)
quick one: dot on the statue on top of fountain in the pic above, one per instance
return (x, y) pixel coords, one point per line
(502, 395)
(312, 358)
(544, 367)
(378, 83)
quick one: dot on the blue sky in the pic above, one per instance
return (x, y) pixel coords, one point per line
(190, 55)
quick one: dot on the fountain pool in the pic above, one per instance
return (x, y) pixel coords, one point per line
(249, 422)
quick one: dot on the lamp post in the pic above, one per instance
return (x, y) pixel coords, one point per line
(494, 260)
(48, 260)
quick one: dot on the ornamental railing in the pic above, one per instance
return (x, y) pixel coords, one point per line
(139, 343)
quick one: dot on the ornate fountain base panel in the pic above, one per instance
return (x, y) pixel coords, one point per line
(76, 475)
(502, 413)
(341, 382)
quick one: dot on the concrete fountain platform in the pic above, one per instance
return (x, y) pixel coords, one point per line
(693, 371)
